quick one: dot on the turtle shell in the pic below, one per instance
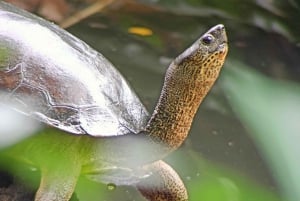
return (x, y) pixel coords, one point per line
(48, 74)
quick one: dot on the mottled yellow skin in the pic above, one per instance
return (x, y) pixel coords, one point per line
(62, 157)
(164, 185)
(187, 82)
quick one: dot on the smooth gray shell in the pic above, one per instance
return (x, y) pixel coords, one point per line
(56, 78)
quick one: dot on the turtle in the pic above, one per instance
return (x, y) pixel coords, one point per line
(93, 122)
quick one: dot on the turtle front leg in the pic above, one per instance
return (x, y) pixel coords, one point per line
(164, 184)
(57, 184)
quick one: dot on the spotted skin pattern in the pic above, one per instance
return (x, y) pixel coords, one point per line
(188, 80)
(163, 185)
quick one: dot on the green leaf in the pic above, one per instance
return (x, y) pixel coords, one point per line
(270, 109)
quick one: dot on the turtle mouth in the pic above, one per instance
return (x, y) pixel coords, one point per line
(220, 35)
(223, 47)
(222, 50)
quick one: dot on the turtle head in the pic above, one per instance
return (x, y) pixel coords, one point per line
(204, 58)
(213, 42)
(188, 79)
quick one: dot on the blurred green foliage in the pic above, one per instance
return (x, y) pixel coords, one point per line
(270, 110)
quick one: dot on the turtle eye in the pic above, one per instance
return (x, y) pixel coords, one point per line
(207, 40)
